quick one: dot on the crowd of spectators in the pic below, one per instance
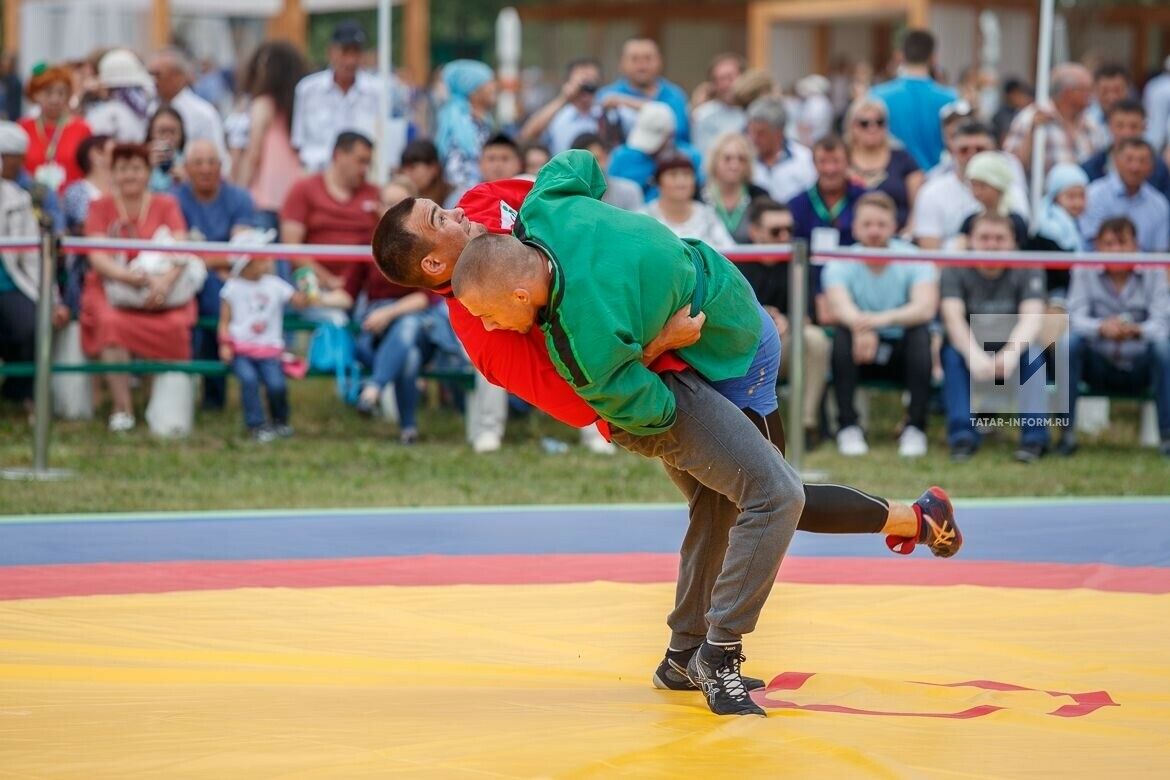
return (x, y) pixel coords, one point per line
(899, 160)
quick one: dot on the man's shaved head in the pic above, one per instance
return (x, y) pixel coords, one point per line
(501, 281)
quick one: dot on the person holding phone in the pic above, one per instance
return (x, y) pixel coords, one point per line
(165, 140)
(573, 112)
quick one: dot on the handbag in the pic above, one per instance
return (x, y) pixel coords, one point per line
(152, 263)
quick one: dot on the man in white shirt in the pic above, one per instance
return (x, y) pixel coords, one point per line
(782, 167)
(171, 70)
(1156, 99)
(573, 112)
(945, 201)
(720, 114)
(335, 100)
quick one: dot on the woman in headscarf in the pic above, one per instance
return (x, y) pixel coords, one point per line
(464, 121)
(1056, 229)
(989, 174)
(54, 135)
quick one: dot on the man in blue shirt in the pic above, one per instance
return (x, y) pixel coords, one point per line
(642, 81)
(214, 211)
(914, 100)
(1127, 119)
(1126, 192)
(829, 202)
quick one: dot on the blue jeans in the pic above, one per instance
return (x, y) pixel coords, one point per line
(252, 372)
(395, 356)
(1151, 369)
(957, 397)
(756, 389)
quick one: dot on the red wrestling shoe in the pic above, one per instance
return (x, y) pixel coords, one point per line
(936, 526)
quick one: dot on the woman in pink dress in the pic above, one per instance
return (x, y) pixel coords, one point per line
(115, 335)
(270, 166)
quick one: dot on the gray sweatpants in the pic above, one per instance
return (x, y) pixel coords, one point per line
(713, 444)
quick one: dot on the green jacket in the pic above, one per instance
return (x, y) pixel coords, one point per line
(617, 278)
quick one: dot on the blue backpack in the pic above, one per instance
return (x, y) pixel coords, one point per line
(331, 350)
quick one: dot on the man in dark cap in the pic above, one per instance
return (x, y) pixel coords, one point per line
(342, 97)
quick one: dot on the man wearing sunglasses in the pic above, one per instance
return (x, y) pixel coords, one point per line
(770, 222)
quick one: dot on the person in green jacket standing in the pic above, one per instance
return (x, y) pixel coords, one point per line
(601, 282)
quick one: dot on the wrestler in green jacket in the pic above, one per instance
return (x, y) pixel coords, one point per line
(617, 278)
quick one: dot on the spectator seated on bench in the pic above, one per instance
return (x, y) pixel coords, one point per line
(1119, 330)
(882, 311)
(990, 290)
(112, 334)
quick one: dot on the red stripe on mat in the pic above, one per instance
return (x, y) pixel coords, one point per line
(23, 582)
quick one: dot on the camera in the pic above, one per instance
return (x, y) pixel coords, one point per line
(590, 88)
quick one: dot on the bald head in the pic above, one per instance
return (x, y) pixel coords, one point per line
(501, 281)
(1072, 88)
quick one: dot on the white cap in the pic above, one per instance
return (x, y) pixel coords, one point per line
(122, 68)
(814, 84)
(250, 238)
(653, 128)
(13, 139)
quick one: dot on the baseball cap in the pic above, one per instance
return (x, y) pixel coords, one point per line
(954, 109)
(653, 127)
(349, 33)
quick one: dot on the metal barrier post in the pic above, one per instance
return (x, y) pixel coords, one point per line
(797, 296)
(42, 395)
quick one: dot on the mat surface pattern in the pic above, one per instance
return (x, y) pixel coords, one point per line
(519, 642)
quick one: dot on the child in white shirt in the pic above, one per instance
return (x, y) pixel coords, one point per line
(251, 338)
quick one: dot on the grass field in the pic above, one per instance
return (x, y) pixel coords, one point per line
(338, 459)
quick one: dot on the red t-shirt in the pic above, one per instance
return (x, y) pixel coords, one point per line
(330, 221)
(65, 155)
(519, 362)
(366, 276)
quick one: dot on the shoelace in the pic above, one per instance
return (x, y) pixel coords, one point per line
(729, 676)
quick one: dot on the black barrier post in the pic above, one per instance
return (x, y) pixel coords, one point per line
(42, 388)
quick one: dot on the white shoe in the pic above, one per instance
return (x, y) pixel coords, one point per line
(851, 442)
(592, 440)
(487, 441)
(912, 443)
(120, 422)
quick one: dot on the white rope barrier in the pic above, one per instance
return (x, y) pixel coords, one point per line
(972, 258)
(218, 248)
(19, 244)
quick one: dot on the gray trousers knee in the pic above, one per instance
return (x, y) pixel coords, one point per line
(733, 557)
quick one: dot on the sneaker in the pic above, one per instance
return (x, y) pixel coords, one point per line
(1068, 446)
(1164, 448)
(368, 401)
(262, 435)
(487, 441)
(912, 443)
(671, 674)
(283, 430)
(851, 442)
(1030, 452)
(408, 436)
(121, 422)
(714, 669)
(963, 451)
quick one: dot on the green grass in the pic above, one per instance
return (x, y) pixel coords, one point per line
(338, 459)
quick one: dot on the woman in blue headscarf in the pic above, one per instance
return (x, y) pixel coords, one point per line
(1056, 228)
(1064, 202)
(464, 121)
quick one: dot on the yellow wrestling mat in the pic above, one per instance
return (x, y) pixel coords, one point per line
(542, 680)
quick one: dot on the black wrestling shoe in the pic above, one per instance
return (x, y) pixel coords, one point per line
(671, 674)
(714, 669)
